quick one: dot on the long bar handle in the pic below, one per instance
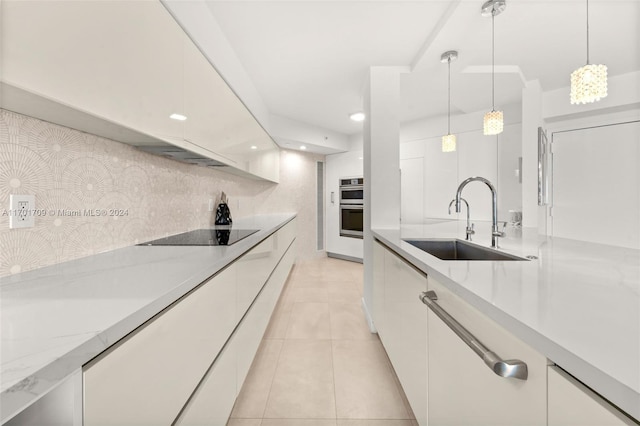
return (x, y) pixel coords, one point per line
(511, 368)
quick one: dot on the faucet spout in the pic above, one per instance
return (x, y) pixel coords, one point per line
(495, 233)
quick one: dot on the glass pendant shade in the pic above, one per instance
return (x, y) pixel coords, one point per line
(449, 143)
(588, 84)
(493, 123)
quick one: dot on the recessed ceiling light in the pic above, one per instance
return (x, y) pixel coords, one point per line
(357, 116)
(254, 147)
(302, 147)
(178, 116)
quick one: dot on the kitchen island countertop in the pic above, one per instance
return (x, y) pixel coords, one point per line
(578, 303)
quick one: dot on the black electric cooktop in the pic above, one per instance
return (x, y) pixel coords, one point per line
(203, 237)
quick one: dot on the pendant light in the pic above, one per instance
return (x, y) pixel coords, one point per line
(449, 140)
(588, 83)
(493, 120)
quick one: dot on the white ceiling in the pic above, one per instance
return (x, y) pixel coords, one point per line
(309, 59)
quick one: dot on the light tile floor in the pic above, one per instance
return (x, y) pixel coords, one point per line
(318, 364)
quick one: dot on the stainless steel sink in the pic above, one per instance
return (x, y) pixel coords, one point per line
(459, 250)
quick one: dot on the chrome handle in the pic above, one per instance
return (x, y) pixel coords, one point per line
(497, 233)
(511, 368)
(332, 195)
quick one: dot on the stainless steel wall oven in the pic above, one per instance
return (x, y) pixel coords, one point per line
(351, 191)
(351, 207)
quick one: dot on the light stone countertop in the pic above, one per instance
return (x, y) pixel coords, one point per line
(57, 318)
(578, 303)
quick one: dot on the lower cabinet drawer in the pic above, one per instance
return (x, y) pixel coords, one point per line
(148, 377)
(573, 404)
(405, 333)
(212, 402)
(255, 266)
(463, 390)
(249, 335)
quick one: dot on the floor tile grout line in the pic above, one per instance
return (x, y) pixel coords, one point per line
(275, 370)
(333, 367)
(284, 341)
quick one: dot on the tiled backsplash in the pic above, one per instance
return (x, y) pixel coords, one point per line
(75, 176)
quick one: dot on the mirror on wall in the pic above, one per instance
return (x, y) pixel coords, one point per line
(431, 177)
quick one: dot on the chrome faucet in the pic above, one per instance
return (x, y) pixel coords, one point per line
(470, 230)
(494, 199)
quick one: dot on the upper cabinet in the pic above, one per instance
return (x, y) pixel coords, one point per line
(121, 61)
(219, 123)
(128, 64)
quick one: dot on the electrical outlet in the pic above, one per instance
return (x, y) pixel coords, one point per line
(22, 211)
(210, 205)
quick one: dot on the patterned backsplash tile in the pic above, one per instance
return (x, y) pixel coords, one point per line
(76, 177)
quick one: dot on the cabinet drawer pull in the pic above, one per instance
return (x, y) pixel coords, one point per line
(505, 368)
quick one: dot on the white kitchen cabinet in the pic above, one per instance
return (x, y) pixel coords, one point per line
(462, 389)
(405, 333)
(573, 404)
(212, 402)
(165, 370)
(121, 61)
(119, 69)
(252, 269)
(258, 263)
(148, 377)
(266, 256)
(249, 335)
(219, 123)
(214, 112)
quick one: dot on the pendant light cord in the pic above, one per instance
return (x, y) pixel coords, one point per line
(449, 104)
(587, 32)
(493, 60)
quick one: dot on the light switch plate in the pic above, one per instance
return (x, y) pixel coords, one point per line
(22, 209)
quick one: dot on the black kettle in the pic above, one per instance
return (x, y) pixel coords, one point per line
(223, 214)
